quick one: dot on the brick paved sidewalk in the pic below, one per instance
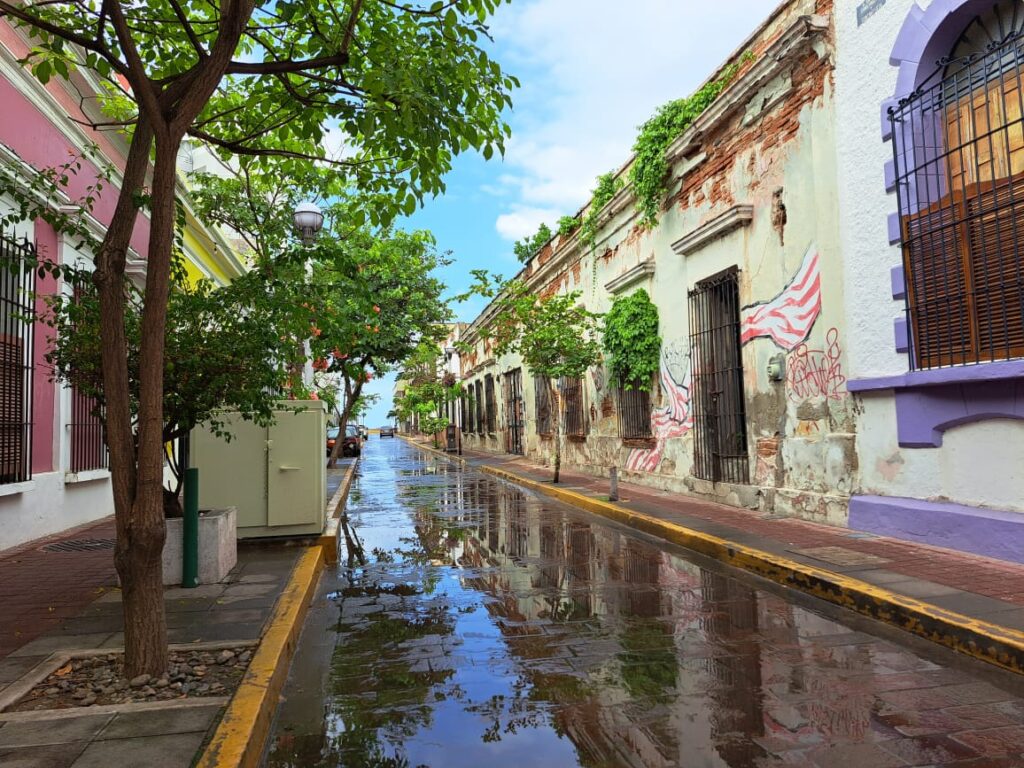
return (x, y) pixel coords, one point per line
(86, 615)
(46, 581)
(978, 587)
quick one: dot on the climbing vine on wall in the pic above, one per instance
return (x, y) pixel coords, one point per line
(631, 340)
(607, 185)
(649, 169)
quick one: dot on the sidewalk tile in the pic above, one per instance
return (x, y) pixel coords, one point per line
(173, 751)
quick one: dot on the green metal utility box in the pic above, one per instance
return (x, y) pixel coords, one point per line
(274, 476)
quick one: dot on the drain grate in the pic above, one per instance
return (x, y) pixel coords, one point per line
(79, 545)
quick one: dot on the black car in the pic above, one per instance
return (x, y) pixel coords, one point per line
(387, 431)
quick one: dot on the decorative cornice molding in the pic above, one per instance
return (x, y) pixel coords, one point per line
(631, 276)
(734, 218)
(769, 64)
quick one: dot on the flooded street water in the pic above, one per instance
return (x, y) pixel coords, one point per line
(489, 627)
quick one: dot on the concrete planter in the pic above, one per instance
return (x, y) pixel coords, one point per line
(218, 546)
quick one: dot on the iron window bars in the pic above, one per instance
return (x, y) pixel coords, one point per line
(542, 404)
(958, 146)
(634, 413)
(575, 416)
(720, 423)
(492, 414)
(17, 309)
(479, 407)
(88, 445)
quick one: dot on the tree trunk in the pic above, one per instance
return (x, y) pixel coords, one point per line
(145, 631)
(350, 397)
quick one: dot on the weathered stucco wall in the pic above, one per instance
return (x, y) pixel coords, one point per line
(767, 143)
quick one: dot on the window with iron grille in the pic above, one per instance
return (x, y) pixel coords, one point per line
(490, 407)
(716, 360)
(634, 413)
(479, 407)
(542, 404)
(88, 447)
(574, 414)
(17, 290)
(958, 144)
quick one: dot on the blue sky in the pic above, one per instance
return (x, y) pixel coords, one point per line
(591, 72)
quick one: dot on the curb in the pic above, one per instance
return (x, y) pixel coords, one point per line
(329, 538)
(973, 637)
(242, 732)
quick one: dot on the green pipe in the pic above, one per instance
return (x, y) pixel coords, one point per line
(190, 529)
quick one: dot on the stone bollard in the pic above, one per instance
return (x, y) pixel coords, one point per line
(613, 474)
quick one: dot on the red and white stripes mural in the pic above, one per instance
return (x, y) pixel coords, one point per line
(788, 318)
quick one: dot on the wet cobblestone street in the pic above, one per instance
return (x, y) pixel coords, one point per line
(474, 624)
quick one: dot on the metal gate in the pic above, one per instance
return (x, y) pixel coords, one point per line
(720, 423)
(514, 411)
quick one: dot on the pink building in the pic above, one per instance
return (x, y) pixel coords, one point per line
(53, 467)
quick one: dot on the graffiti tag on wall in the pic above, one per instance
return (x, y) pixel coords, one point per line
(816, 372)
(672, 420)
(788, 318)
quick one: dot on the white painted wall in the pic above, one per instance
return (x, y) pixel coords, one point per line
(978, 464)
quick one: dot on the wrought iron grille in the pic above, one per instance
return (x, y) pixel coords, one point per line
(575, 416)
(634, 413)
(492, 411)
(17, 296)
(542, 404)
(88, 442)
(479, 407)
(958, 144)
(514, 407)
(88, 445)
(720, 422)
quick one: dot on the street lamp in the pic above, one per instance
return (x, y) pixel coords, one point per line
(308, 220)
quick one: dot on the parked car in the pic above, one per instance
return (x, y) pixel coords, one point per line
(352, 446)
(387, 431)
(364, 433)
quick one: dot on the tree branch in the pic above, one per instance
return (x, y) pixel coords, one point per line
(187, 26)
(89, 44)
(286, 66)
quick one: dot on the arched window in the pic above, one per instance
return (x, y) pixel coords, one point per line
(959, 160)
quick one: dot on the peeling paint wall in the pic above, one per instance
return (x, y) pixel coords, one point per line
(768, 143)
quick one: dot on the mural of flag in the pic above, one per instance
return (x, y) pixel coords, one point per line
(788, 318)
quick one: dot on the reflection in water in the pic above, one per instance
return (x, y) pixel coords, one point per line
(491, 628)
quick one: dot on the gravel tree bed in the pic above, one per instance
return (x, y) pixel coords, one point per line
(99, 680)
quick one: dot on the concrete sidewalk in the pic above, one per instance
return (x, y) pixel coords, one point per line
(151, 735)
(977, 588)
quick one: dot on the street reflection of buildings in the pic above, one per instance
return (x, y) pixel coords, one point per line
(673, 664)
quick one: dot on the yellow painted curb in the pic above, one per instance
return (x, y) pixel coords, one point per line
(995, 644)
(329, 538)
(242, 733)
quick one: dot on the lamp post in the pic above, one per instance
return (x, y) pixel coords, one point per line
(308, 220)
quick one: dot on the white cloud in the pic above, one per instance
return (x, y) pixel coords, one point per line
(523, 221)
(592, 71)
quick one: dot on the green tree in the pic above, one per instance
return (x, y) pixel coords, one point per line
(227, 348)
(555, 336)
(407, 86)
